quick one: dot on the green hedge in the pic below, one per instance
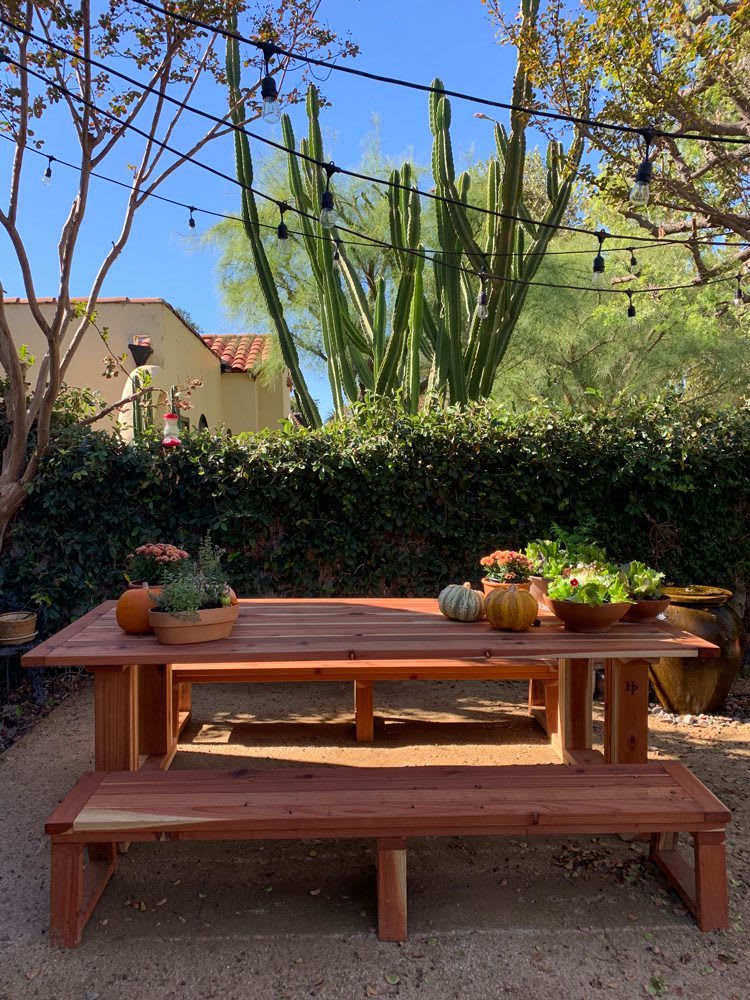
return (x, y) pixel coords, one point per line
(386, 503)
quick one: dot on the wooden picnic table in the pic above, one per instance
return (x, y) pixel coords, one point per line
(138, 709)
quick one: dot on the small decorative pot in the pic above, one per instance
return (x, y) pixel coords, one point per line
(539, 586)
(490, 585)
(17, 627)
(211, 624)
(133, 608)
(647, 611)
(584, 618)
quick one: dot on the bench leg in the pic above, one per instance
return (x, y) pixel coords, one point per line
(703, 887)
(182, 706)
(392, 889)
(364, 719)
(75, 889)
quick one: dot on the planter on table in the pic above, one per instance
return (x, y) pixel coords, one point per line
(206, 626)
(647, 610)
(584, 618)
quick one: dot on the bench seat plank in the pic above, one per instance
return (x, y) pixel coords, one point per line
(390, 805)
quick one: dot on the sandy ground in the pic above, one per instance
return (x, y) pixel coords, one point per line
(574, 919)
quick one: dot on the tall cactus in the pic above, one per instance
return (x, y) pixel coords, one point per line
(432, 328)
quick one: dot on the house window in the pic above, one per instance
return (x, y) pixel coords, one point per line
(203, 423)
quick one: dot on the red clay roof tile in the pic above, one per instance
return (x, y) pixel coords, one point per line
(241, 352)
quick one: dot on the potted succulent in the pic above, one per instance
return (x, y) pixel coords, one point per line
(506, 568)
(645, 590)
(588, 598)
(145, 567)
(195, 604)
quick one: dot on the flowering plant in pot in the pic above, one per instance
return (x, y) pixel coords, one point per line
(645, 589)
(588, 598)
(506, 568)
(552, 556)
(144, 567)
(195, 604)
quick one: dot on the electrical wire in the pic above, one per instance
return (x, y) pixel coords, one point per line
(358, 175)
(303, 214)
(427, 89)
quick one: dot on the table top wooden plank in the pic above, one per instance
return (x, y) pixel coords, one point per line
(311, 629)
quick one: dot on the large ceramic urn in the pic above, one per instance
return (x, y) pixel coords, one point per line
(699, 684)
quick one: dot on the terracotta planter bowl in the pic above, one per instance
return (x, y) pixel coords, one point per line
(490, 585)
(647, 611)
(539, 586)
(214, 623)
(582, 618)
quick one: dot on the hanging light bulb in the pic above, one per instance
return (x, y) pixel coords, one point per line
(598, 278)
(739, 298)
(635, 266)
(641, 189)
(271, 112)
(47, 175)
(337, 258)
(284, 244)
(327, 209)
(191, 220)
(482, 311)
(631, 307)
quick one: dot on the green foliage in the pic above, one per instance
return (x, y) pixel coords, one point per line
(592, 586)
(193, 585)
(389, 503)
(642, 582)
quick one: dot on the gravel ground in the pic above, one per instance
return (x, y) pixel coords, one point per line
(574, 918)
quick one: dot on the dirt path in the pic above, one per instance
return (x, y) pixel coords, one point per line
(575, 919)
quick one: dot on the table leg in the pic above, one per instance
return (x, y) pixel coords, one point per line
(156, 733)
(364, 718)
(182, 706)
(575, 708)
(116, 718)
(626, 712)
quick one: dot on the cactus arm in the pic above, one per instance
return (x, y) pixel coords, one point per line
(244, 165)
(415, 336)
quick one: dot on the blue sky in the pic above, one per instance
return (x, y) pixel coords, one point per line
(418, 40)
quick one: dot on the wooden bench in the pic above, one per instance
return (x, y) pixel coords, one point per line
(542, 678)
(390, 805)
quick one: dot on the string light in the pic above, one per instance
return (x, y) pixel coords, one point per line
(739, 298)
(641, 190)
(191, 220)
(327, 208)
(482, 311)
(271, 112)
(441, 92)
(631, 307)
(598, 278)
(284, 244)
(47, 175)
(305, 156)
(337, 257)
(635, 266)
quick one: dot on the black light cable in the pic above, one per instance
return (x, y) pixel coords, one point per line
(425, 88)
(559, 227)
(373, 240)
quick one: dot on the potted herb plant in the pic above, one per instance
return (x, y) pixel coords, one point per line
(506, 568)
(195, 603)
(145, 567)
(551, 556)
(645, 589)
(589, 598)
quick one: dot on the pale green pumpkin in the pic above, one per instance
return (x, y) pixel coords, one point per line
(461, 603)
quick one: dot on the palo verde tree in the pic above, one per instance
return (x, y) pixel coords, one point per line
(62, 59)
(671, 65)
(422, 331)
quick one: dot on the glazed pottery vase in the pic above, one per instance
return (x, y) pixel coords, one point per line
(699, 684)
(647, 611)
(211, 624)
(583, 618)
(490, 585)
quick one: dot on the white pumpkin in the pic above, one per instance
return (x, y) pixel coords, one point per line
(461, 603)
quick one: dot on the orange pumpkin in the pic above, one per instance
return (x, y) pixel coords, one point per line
(133, 608)
(510, 610)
